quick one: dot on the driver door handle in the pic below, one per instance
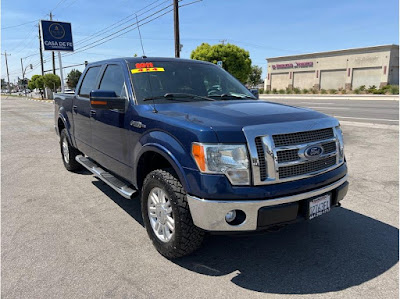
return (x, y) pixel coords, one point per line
(92, 112)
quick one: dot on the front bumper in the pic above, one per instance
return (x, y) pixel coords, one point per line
(210, 214)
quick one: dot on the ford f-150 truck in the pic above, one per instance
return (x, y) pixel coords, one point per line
(203, 153)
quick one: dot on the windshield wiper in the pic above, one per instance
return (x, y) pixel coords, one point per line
(241, 96)
(179, 96)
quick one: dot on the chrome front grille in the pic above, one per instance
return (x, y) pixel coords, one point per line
(280, 152)
(288, 155)
(302, 137)
(329, 147)
(306, 168)
(261, 157)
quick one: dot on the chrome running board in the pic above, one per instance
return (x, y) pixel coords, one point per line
(121, 187)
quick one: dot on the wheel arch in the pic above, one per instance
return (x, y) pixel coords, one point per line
(155, 156)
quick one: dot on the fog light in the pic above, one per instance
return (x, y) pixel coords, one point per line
(230, 216)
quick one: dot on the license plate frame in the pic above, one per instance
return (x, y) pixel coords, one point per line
(318, 206)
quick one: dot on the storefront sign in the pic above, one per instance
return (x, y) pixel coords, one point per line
(292, 65)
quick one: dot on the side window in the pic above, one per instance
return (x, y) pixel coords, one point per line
(88, 83)
(114, 80)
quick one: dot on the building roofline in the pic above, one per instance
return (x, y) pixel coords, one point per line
(315, 54)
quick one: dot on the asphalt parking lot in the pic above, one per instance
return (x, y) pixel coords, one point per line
(68, 235)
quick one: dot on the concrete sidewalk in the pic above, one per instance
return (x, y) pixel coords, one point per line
(357, 97)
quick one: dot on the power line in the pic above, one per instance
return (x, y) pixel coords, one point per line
(112, 26)
(59, 2)
(9, 27)
(104, 39)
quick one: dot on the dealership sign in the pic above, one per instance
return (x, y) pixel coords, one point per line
(292, 65)
(56, 36)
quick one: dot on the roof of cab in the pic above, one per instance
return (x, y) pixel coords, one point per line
(148, 59)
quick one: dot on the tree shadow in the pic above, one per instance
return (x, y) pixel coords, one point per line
(336, 251)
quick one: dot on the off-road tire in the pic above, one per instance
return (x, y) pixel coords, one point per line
(187, 237)
(71, 164)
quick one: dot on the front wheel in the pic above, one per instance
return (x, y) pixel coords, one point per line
(167, 216)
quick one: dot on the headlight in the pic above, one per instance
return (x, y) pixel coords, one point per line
(231, 160)
(339, 135)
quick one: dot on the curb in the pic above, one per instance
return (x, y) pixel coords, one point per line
(43, 101)
(331, 97)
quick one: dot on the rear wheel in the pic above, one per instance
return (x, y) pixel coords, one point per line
(68, 153)
(167, 216)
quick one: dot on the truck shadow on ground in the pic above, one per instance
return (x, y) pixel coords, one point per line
(132, 207)
(333, 252)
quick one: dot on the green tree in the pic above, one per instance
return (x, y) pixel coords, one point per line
(235, 60)
(31, 85)
(37, 82)
(255, 75)
(73, 78)
(52, 81)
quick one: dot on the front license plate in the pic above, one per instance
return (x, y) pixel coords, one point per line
(319, 206)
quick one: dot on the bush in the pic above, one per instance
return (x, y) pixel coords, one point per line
(361, 88)
(378, 91)
(314, 91)
(267, 91)
(281, 91)
(394, 89)
(261, 91)
(357, 91)
(296, 90)
(305, 91)
(371, 89)
(274, 91)
(288, 90)
(332, 91)
(386, 87)
(323, 91)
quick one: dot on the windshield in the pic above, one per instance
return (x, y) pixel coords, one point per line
(153, 80)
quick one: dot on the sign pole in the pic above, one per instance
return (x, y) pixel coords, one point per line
(61, 72)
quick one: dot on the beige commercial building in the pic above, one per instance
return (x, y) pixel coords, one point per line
(340, 69)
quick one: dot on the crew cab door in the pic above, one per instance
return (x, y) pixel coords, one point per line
(81, 110)
(110, 126)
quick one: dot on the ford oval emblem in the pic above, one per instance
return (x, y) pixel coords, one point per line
(313, 152)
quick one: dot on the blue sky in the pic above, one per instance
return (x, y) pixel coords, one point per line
(264, 28)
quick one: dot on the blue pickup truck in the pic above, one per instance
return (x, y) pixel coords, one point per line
(201, 151)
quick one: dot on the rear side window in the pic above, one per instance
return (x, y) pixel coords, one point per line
(88, 83)
(113, 80)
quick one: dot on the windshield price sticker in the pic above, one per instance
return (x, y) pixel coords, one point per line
(147, 69)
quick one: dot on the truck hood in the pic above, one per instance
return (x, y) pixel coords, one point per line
(227, 118)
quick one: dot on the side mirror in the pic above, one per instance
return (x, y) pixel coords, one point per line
(254, 91)
(106, 99)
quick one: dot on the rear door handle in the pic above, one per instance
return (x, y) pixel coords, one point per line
(92, 112)
(75, 108)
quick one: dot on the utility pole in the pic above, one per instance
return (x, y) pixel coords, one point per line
(223, 41)
(176, 29)
(41, 51)
(8, 74)
(23, 75)
(52, 52)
